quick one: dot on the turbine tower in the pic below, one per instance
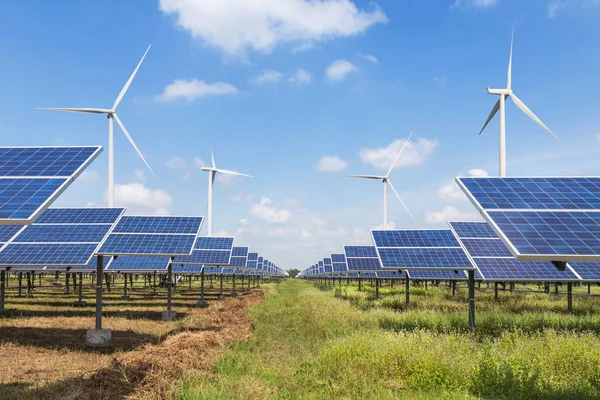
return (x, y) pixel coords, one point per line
(212, 174)
(386, 180)
(111, 113)
(500, 105)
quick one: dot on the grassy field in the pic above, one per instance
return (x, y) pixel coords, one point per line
(323, 342)
(42, 340)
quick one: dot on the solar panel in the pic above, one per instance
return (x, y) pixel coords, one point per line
(152, 236)
(252, 256)
(495, 263)
(446, 275)
(339, 263)
(7, 232)
(90, 267)
(187, 268)
(58, 241)
(139, 263)
(214, 243)
(239, 252)
(552, 219)
(391, 275)
(209, 251)
(419, 249)
(361, 258)
(327, 265)
(588, 271)
(31, 178)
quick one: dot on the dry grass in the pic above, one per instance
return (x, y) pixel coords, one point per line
(42, 343)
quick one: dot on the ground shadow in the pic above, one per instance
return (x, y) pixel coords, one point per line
(88, 312)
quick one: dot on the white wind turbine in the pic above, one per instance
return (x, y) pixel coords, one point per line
(386, 180)
(500, 105)
(111, 113)
(212, 174)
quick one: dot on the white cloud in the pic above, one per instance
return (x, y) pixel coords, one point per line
(555, 6)
(339, 69)
(450, 191)
(194, 89)
(175, 163)
(198, 162)
(237, 25)
(474, 3)
(450, 213)
(89, 175)
(331, 163)
(369, 57)
(140, 175)
(415, 153)
(225, 179)
(141, 200)
(300, 77)
(268, 211)
(241, 196)
(268, 76)
(186, 176)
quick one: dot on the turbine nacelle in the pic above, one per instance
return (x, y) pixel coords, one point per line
(499, 92)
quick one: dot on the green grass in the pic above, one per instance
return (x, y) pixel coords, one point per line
(320, 344)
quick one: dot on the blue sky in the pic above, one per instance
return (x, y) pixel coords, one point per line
(277, 85)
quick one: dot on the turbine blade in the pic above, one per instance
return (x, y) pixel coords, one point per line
(399, 154)
(509, 76)
(212, 156)
(128, 83)
(366, 176)
(494, 111)
(79, 110)
(531, 115)
(403, 204)
(132, 142)
(214, 175)
(227, 172)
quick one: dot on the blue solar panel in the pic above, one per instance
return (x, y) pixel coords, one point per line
(91, 265)
(473, 230)
(327, 261)
(240, 252)
(551, 233)
(423, 258)
(441, 274)
(252, 256)
(139, 263)
(8, 231)
(320, 263)
(187, 269)
(207, 257)
(45, 161)
(89, 215)
(588, 271)
(213, 270)
(414, 238)
(150, 244)
(47, 254)
(534, 193)
(338, 258)
(340, 267)
(509, 269)
(154, 224)
(391, 275)
(251, 264)
(214, 243)
(239, 262)
(31, 178)
(360, 251)
(486, 247)
(362, 264)
(63, 233)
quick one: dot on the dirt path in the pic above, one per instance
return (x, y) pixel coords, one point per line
(149, 371)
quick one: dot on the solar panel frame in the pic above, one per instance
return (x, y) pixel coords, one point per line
(60, 183)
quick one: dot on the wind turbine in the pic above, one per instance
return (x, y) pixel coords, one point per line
(386, 180)
(111, 113)
(212, 174)
(500, 105)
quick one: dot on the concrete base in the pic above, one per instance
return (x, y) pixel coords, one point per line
(79, 304)
(168, 315)
(98, 338)
(125, 298)
(202, 304)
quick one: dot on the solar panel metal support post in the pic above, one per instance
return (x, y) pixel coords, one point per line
(125, 296)
(67, 287)
(169, 314)
(20, 294)
(99, 337)
(201, 302)
(80, 302)
(377, 289)
(407, 289)
(570, 297)
(453, 288)
(243, 287)
(471, 274)
(2, 289)
(29, 294)
(233, 292)
(221, 287)
(496, 291)
(154, 285)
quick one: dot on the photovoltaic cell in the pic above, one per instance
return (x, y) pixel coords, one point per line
(473, 230)
(8, 231)
(360, 251)
(486, 247)
(149, 244)
(252, 256)
(64, 233)
(424, 258)
(239, 262)
(588, 271)
(31, 178)
(214, 243)
(446, 275)
(239, 252)
(414, 238)
(251, 264)
(91, 215)
(47, 254)
(139, 263)
(187, 269)
(205, 257)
